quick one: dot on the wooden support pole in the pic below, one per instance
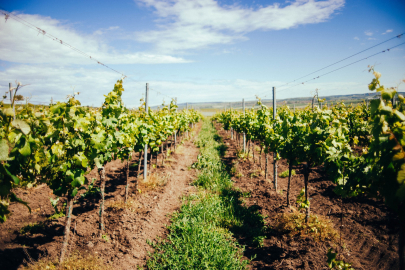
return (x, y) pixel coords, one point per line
(145, 158)
(275, 154)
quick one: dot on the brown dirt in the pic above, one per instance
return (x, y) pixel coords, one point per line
(127, 231)
(369, 232)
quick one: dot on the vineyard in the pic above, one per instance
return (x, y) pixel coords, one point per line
(266, 188)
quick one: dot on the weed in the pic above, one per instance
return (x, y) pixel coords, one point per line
(243, 155)
(319, 228)
(302, 203)
(239, 175)
(285, 173)
(58, 213)
(180, 149)
(254, 174)
(153, 181)
(333, 263)
(233, 171)
(258, 241)
(131, 204)
(75, 261)
(105, 237)
(32, 228)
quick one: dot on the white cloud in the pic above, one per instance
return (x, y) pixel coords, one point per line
(368, 33)
(21, 44)
(371, 38)
(195, 24)
(356, 38)
(388, 31)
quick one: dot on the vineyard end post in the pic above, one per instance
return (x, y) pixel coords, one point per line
(275, 154)
(145, 159)
(244, 133)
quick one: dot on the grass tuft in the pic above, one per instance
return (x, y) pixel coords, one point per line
(285, 173)
(132, 205)
(32, 228)
(74, 262)
(318, 227)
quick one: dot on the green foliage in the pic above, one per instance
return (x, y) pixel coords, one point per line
(333, 263)
(91, 190)
(58, 143)
(58, 213)
(32, 228)
(302, 203)
(286, 172)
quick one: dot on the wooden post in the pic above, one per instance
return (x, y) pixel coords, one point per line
(267, 162)
(101, 172)
(145, 158)
(175, 132)
(306, 176)
(230, 106)
(10, 89)
(139, 169)
(275, 154)
(244, 133)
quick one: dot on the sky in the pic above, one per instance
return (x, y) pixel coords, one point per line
(198, 50)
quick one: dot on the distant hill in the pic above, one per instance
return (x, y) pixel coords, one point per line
(299, 102)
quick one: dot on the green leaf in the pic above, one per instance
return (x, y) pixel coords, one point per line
(401, 175)
(6, 173)
(21, 125)
(79, 181)
(97, 162)
(374, 104)
(8, 111)
(74, 192)
(26, 150)
(4, 149)
(387, 110)
(388, 93)
(400, 115)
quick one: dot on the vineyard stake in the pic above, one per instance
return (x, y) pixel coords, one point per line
(139, 170)
(101, 171)
(127, 185)
(69, 208)
(275, 154)
(267, 162)
(289, 182)
(10, 88)
(230, 105)
(145, 159)
(306, 176)
(244, 134)
(175, 132)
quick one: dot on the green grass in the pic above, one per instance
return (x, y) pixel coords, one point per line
(201, 234)
(32, 228)
(285, 173)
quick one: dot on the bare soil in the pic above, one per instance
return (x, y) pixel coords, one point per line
(369, 231)
(124, 245)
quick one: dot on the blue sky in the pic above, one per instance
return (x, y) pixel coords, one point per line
(200, 50)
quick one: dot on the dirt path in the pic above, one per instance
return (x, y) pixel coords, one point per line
(369, 232)
(124, 241)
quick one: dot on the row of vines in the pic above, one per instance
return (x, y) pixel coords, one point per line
(361, 148)
(61, 143)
